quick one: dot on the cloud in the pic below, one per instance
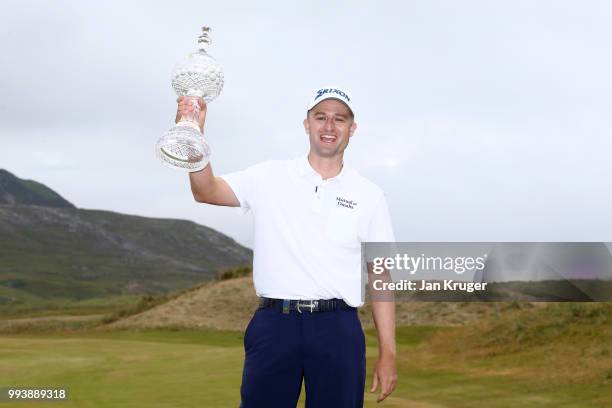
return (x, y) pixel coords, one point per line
(480, 120)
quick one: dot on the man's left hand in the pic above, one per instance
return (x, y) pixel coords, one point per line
(385, 374)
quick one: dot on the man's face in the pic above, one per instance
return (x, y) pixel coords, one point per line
(329, 125)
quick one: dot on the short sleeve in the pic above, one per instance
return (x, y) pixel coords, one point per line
(380, 231)
(243, 185)
(380, 228)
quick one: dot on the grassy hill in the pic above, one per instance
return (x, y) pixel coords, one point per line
(229, 304)
(56, 258)
(14, 190)
(562, 342)
(59, 254)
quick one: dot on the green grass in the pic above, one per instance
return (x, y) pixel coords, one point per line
(149, 370)
(34, 307)
(45, 193)
(186, 368)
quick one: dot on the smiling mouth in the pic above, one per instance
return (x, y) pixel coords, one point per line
(328, 138)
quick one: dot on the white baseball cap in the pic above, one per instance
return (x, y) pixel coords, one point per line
(330, 92)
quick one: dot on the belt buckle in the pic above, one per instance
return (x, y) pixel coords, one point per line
(311, 304)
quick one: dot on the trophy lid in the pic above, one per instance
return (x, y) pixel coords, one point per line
(204, 39)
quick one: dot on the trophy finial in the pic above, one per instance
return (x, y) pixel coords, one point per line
(204, 38)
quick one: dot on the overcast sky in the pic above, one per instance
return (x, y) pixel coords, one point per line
(482, 120)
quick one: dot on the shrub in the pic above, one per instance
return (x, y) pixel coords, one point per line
(233, 273)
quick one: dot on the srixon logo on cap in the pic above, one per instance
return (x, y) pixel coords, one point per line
(321, 92)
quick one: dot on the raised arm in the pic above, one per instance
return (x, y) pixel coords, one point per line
(205, 186)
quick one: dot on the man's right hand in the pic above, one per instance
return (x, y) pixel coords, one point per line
(186, 108)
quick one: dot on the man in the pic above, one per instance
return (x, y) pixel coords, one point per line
(310, 215)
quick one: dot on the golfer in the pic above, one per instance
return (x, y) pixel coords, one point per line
(310, 215)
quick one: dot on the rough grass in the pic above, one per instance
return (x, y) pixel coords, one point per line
(149, 301)
(228, 304)
(563, 343)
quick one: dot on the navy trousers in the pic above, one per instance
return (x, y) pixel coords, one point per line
(325, 349)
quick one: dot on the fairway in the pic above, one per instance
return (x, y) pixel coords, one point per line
(189, 368)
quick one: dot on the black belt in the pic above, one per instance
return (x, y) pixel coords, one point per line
(288, 305)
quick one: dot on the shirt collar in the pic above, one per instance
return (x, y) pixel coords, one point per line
(305, 169)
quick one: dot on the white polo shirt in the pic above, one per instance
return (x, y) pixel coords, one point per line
(308, 231)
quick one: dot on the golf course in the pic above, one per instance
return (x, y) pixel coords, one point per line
(546, 355)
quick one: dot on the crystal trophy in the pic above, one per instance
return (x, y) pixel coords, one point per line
(197, 76)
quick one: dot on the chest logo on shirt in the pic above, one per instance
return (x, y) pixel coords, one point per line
(343, 202)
